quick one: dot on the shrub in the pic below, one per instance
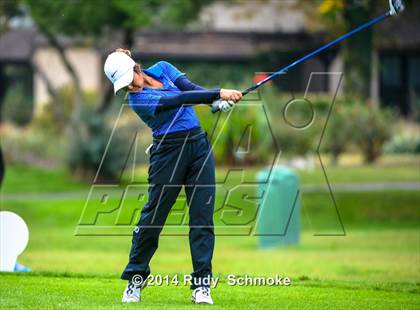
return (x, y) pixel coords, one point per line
(351, 125)
(87, 147)
(299, 139)
(371, 128)
(357, 125)
(403, 143)
(243, 122)
(338, 135)
(17, 105)
(86, 143)
(54, 117)
(26, 146)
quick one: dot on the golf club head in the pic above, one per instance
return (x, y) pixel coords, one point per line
(395, 7)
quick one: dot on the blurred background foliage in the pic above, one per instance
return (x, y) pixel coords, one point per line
(17, 103)
(352, 127)
(74, 128)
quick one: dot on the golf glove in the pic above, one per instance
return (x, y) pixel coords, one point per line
(223, 105)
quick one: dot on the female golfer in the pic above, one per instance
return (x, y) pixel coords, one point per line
(181, 154)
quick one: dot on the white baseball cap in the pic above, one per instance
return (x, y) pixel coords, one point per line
(118, 69)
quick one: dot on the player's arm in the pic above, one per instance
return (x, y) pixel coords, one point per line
(193, 97)
(184, 84)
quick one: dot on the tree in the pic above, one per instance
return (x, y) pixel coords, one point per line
(341, 16)
(8, 10)
(337, 17)
(96, 19)
(92, 21)
(356, 51)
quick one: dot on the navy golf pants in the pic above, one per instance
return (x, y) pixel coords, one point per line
(183, 158)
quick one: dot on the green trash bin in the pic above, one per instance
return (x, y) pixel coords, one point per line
(278, 221)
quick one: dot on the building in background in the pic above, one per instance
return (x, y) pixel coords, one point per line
(238, 39)
(26, 56)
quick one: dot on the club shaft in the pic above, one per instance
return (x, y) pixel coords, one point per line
(317, 51)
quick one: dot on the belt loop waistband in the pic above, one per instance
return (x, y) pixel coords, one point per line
(180, 137)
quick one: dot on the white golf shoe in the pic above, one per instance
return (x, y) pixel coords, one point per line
(201, 295)
(132, 292)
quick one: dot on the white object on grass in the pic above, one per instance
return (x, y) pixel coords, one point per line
(201, 295)
(14, 236)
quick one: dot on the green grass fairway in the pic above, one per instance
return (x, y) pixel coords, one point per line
(33, 180)
(75, 292)
(376, 265)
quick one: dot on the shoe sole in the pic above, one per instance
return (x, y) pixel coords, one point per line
(200, 303)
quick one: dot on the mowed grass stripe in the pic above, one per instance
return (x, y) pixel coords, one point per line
(99, 293)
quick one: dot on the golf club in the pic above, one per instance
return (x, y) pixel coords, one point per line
(395, 7)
